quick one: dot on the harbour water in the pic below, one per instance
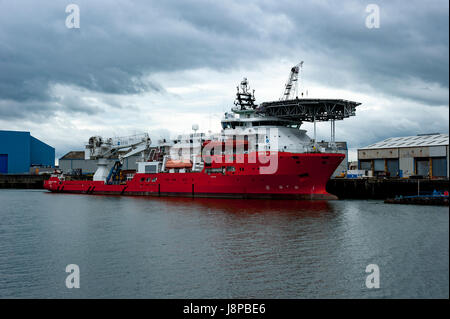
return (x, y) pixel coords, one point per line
(136, 247)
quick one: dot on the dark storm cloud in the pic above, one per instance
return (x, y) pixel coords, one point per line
(121, 42)
(15, 111)
(116, 45)
(411, 44)
(41, 110)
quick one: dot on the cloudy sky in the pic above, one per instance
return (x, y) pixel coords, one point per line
(161, 66)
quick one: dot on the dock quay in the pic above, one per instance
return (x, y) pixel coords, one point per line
(23, 181)
(343, 188)
(383, 188)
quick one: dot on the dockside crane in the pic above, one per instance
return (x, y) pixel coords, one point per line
(291, 87)
(104, 150)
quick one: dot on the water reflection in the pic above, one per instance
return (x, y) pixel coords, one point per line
(173, 247)
(306, 208)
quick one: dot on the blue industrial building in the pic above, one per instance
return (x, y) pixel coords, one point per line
(19, 151)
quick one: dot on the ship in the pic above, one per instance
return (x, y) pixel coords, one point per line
(260, 152)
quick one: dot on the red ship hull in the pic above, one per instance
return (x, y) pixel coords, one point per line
(298, 176)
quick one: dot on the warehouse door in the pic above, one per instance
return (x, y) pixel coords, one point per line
(423, 167)
(365, 165)
(378, 165)
(3, 163)
(392, 167)
(439, 166)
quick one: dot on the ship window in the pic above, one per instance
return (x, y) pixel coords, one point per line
(154, 179)
(142, 179)
(231, 169)
(216, 170)
(231, 124)
(150, 169)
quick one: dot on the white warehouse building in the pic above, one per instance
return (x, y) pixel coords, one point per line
(426, 155)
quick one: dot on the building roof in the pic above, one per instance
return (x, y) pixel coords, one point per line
(435, 139)
(73, 155)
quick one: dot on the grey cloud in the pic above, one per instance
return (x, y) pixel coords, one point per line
(412, 42)
(15, 111)
(40, 110)
(369, 127)
(74, 104)
(119, 44)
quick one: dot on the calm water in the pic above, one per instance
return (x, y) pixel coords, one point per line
(133, 247)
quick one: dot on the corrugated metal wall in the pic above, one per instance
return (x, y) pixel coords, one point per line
(41, 153)
(392, 167)
(365, 165)
(17, 146)
(3, 163)
(439, 166)
(423, 166)
(22, 149)
(406, 166)
(378, 165)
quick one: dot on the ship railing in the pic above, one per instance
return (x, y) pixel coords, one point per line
(316, 148)
(129, 140)
(61, 177)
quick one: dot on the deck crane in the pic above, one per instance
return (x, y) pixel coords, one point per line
(291, 87)
(117, 149)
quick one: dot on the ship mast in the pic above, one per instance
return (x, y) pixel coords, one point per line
(245, 101)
